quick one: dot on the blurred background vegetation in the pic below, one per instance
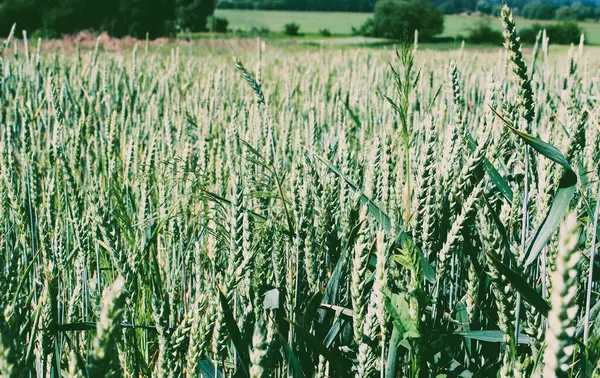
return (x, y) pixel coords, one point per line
(52, 18)
(437, 21)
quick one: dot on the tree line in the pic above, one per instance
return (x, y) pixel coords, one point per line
(547, 10)
(302, 5)
(536, 9)
(52, 18)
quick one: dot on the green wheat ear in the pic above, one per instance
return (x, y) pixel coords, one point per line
(512, 43)
(259, 349)
(562, 318)
(251, 80)
(133, 187)
(103, 357)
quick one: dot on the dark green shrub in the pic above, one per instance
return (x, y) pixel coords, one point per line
(395, 19)
(367, 29)
(218, 24)
(325, 32)
(528, 35)
(291, 28)
(482, 32)
(262, 31)
(562, 33)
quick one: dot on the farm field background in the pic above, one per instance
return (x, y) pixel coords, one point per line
(341, 24)
(236, 208)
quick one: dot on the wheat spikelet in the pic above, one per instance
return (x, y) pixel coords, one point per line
(563, 301)
(258, 351)
(102, 361)
(454, 235)
(357, 284)
(513, 45)
(251, 80)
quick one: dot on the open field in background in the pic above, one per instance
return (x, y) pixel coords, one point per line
(300, 212)
(459, 24)
(342, 23)
(219, 45)
(310, 22)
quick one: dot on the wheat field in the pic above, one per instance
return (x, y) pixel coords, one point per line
(316, 213)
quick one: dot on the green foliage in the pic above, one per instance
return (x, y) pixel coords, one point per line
(191, 15)
(263, 30)
(539, 10)
(172, 214)
(397, 18)
(456, 6)
(291, 28)
(560, 33)
(218, 24)
(136, 18)
(236, 5)
(448, 7)
(484, 7)
(564, 13)
(482, 32)
(118, 17)
(343, 23)
(397, 306)
(302, 5)
(325, 32)
(578, 11)
(366, 29)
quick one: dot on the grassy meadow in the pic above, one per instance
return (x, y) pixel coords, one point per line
(340, 24)
(299, 213)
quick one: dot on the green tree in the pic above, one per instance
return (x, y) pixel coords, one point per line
(394, 18)
(583, 11)
(539, 10)
(564, 13)
(118, 17)
(482, 32)
(192, 14)
(26, 13)
(138, 17)
(448, 7)
(561, 33)
(484, 6)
